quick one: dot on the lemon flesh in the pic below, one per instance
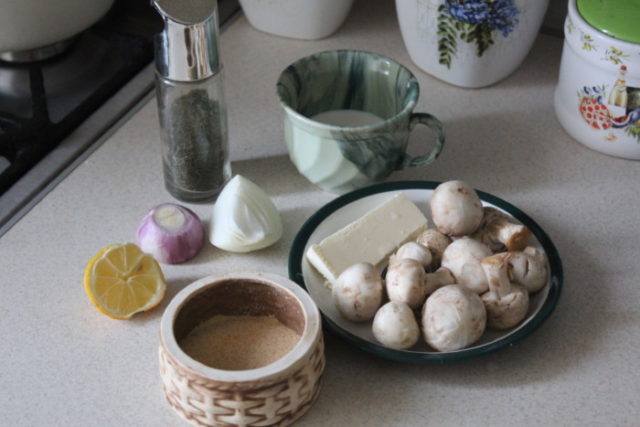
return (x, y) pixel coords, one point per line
(121, 280)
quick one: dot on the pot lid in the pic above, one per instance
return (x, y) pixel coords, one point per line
(616, 18)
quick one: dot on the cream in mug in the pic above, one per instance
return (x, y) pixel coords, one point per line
(347, 118)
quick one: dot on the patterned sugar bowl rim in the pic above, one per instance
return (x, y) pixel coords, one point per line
(304, 346)
(597, 47)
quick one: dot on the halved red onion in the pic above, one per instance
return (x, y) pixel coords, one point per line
(171, 233)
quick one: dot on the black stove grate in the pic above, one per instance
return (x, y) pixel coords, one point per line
(44, 102)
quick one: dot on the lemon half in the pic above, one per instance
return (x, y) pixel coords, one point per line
(121, 281)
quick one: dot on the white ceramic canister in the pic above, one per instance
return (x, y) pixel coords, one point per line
(469, 43)
(298, 19)
(597, 99)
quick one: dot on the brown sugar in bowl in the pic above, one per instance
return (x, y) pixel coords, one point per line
(275, 394)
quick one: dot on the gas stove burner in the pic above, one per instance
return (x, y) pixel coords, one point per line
(42, 102)
(67, 79)
(48, 108)
(39, 54)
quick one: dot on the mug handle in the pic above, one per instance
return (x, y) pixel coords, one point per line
(436, 126)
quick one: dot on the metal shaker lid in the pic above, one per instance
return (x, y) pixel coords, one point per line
(187, 49)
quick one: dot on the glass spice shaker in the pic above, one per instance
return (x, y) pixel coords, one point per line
(191, 107)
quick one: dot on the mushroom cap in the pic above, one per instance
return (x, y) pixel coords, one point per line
(463, 257)
(415, 251)
(406, 282)
(436, 242)
(529, 269)
(456, 209)
(453, 318)
(395, 326)
(358, 292)
(507, 311)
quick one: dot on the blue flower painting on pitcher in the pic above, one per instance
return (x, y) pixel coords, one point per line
(474, 21)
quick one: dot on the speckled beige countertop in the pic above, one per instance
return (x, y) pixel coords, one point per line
(64, 364)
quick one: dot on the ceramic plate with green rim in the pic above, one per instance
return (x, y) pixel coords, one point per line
(349, 207)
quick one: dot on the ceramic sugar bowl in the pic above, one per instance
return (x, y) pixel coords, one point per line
(235, 317)
(597, 99)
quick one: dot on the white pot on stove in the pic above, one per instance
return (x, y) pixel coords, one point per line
(32, 24)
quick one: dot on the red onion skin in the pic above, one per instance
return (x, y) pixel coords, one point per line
(171, 247)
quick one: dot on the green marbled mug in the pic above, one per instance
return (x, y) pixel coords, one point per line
(348, 115)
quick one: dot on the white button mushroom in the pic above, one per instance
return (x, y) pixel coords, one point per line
(438, 279)
(405, 282)
(436, 242)
(395, 326)
(456, 209)
(529, 269)
(506, 302)
(358, 292)
(499, 231)
(453, 318)
(463, 258)
(415, 251)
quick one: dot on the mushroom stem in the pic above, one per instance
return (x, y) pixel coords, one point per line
(438, 279)
(513, 236)
(506, 303)
(497, 230)
(496, 268)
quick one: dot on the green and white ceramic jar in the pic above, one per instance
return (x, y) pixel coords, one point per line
(597, 99)
(470, 43)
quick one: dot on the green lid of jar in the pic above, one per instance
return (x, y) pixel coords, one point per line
(616, 18)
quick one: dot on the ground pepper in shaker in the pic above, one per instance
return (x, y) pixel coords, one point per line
(191, 108)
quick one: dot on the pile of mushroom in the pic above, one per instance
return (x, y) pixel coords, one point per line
(474, 270)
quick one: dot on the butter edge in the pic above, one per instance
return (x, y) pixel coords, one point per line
(315, 258)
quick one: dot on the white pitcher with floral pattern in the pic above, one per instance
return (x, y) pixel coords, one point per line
(470, 43)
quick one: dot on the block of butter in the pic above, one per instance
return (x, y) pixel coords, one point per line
(371, 238)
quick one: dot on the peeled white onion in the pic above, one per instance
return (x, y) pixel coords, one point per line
(171, 233)
(244, 218)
